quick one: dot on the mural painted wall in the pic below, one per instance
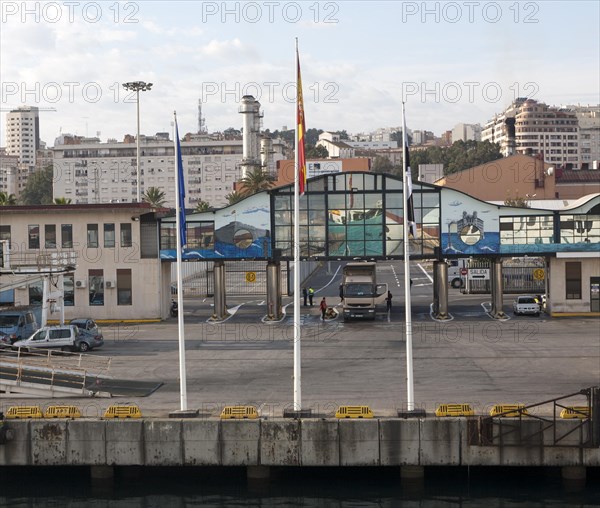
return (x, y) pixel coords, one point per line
(240, 231)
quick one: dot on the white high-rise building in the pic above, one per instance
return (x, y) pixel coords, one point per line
(553, 132)
(533, 128)
(94, 172)
(589, 135)
(466, 132)
(23, 134)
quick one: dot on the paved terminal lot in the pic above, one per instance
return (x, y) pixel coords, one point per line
(243, 361)
(472, 358)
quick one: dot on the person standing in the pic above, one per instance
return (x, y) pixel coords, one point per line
(341, 293)
(389, 301)
(304, 295)
(311, 294)
(323, 307)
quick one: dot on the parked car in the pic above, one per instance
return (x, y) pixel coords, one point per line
(17, 324)
(89, 326)
(5, 341)
(64, 337)
(526, 304)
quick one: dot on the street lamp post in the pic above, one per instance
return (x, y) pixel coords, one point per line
(137, 87)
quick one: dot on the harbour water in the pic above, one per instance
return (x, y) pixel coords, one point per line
(289, 487)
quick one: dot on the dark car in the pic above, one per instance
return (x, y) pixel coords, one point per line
(88, 326)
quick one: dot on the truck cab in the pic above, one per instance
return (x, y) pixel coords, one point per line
(361, 292)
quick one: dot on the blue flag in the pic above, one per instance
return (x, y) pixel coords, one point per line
(180, 189)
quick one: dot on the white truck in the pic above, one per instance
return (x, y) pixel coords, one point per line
(360, 290)
(455, 277)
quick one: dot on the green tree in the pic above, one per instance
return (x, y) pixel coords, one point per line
(234, 197)
(255, 181)
(202, 206)
(155, 197)
(312, 136)
(62, 201)
(343, 135)
(7, 199)
(461, 155)
(38, 190)
(232, 133)
(316, 152)
(382, 164)
(517, 201)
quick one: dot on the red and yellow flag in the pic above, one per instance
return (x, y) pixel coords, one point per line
(300, 129)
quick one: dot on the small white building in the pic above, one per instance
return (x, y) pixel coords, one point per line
(114, 248)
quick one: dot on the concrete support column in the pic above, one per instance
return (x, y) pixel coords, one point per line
(440, 291)
(274, 311)
(220, 311)
(497, 295)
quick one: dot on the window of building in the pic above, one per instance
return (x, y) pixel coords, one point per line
(126, 239)
(34, 236)
(69, 294)
(66, 233)
(96, 287)
(35, 293)
(92, 235)
(573, 280)
(124, 287)
(50, 236)
(5, 232)
(109, 235)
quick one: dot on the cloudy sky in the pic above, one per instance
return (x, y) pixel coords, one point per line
(450, 61)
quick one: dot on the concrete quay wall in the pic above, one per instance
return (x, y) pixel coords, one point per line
(286, 442)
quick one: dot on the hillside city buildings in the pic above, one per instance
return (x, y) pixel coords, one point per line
(87, 170)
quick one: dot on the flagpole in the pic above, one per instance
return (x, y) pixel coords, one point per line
(178, 225)
(410, 400)
(297, 333)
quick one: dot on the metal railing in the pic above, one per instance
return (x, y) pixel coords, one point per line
(519, 431)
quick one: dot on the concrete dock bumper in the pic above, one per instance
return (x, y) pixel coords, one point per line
(292, 443)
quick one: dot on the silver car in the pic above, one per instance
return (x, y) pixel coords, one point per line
(64, 337)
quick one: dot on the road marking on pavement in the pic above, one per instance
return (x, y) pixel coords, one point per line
(449, 318)
(425, 272)
(329, 283)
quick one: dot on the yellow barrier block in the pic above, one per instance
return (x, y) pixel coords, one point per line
(510, 410)
(581, 412)
(62, 412)
(22, 412)
(454, 410)
(123, 411)
(238, 413)
(354, 412)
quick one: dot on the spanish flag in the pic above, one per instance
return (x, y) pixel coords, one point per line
(300, 129)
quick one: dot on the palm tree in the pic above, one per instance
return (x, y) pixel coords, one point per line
(155, 197)
(203, 206)
(255, 181)
(62, 201)
(7, 199)
(234, 197)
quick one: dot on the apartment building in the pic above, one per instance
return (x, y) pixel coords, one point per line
(23, 134)
(466, 132)
(553, 132)
(89, 171)
(530, 127)
(589, 135)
